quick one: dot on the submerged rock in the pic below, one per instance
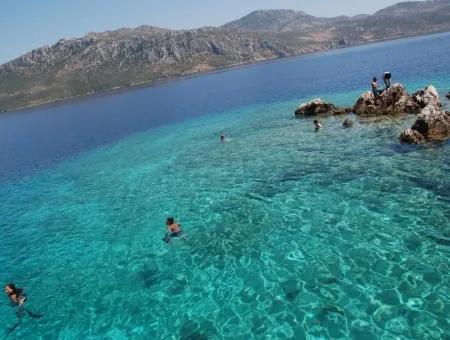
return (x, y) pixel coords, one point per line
(342, 110)
(448, 95)
(318, 106)
(347, 123)
(393, 101)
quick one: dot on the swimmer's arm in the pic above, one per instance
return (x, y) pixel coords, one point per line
(21, 300)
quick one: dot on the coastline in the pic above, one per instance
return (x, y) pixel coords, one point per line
(161, 81)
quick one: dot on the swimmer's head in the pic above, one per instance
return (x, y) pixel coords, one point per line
(316, 121)
(374, 79)
(10, 288)
(170, 220)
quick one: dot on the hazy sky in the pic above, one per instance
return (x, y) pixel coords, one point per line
(27, 24)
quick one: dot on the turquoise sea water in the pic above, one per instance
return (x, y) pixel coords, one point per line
(292, 233)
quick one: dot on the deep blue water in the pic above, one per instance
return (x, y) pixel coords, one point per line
(41, 137)
(291, 233)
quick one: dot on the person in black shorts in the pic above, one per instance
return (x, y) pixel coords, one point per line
(387, 79)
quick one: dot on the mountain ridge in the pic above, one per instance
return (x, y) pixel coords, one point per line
(101, 61)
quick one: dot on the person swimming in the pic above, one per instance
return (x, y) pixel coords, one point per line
(173, 230)
(17, 298)
(317, 124)
(16, 295)
(222, 137)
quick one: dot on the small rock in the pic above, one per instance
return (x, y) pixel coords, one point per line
(318, 106)
(314, 107)
(347, 123)
(411, 136)
(448, 95)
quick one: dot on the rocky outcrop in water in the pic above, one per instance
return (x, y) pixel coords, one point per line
(411, 136)
(393, 101)
(319, 107)
(428, 96)
(314, 108)
(433, 123)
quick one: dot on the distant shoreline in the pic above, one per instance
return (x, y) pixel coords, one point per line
(157, 82)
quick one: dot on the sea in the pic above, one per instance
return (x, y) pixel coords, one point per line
(289, 232)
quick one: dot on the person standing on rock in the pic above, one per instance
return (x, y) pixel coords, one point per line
(375, 91)
(387, 79)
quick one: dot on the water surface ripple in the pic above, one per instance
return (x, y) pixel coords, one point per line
(292, 233)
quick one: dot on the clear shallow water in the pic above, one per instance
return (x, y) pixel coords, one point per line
(342, 233)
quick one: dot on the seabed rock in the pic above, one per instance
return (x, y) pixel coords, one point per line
(318, 107)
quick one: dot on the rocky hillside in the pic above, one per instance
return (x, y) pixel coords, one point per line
(277, 20)
(104, 61)
(402, 19)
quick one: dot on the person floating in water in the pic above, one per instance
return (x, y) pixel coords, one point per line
(222, 137)
(173, 230)
(375, 91)
(17, 298)
(387, 79)
(317, 124)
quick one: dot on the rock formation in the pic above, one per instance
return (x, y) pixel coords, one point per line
(411, 136)
(393, 101)
(428, 96)
(433, 123)
(317, 107)
(314, 107)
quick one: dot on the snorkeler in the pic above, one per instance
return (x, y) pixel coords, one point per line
(17, 298)
(222, 137)
(317, 124)
(173, 230)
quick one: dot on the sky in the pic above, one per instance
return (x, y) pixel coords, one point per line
(28, 24)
